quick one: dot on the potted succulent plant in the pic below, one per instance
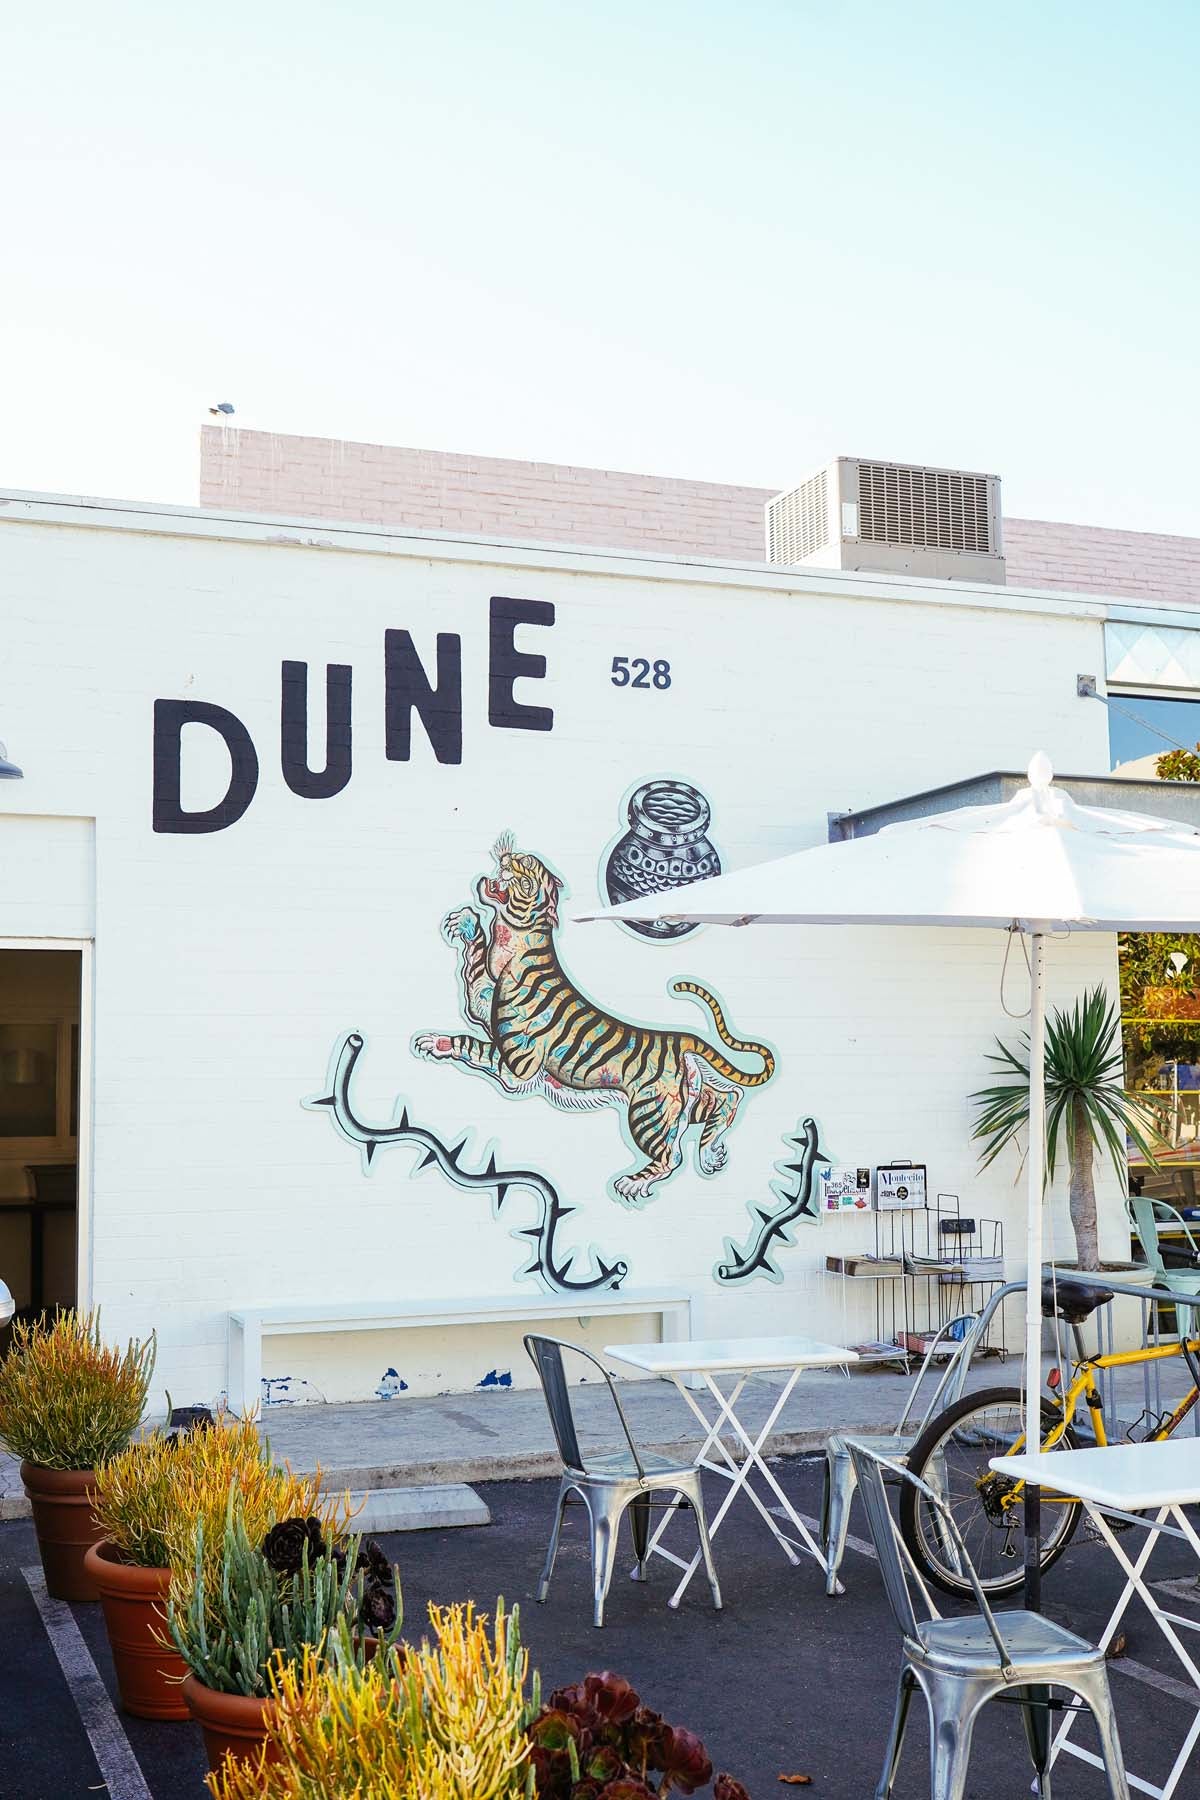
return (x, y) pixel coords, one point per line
(1087, 1108)
(69, 1402)
(596, 1740)
(460, 1717)
(297, 1591)
(149, 1500)
(451, 1721)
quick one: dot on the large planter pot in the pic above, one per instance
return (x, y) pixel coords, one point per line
(134, 1603)
(233, 1724)
(62, 1517)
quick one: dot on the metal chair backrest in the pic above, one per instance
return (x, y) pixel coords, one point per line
(900, 1575)
(1148, 1215)
(1142, 1214)
(961, 1346)
(546, 1354)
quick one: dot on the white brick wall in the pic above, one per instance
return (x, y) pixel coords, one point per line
(228, 964)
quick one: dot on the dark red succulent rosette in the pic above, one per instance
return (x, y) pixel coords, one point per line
(610, 1697)
(602, 1764)
(686, 1764)
(594, 1740)
(726, 1788)
(285, 1545)
(645, 1739)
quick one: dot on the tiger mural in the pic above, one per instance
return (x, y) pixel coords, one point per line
(541, 1035)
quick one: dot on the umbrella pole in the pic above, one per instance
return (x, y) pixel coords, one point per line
(1033, 1260)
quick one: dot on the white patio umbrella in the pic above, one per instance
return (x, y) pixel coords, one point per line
(1038, 864)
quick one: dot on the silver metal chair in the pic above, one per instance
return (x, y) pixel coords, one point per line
(838, 1493)
(960, 1664)
(610, 1482)
(1147, 1216)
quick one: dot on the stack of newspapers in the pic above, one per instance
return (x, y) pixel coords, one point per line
(882, 1268)
(955, 1268)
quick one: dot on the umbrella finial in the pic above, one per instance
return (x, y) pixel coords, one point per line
(1040, 772)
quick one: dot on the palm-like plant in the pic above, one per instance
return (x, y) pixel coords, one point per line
(1086, 1105)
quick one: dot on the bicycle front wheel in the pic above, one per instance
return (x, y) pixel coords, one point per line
(952, 1456)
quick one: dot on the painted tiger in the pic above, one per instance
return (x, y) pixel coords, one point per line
(543, 1036)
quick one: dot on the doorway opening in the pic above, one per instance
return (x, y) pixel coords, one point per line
(40, 1002)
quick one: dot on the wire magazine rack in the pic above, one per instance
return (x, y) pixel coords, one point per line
(929, 1266)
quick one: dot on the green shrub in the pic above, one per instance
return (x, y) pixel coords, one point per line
(68, 1400)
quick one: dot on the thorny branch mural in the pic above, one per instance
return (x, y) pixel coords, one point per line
(795, 1189)
(541, 1035)
(548, 1263)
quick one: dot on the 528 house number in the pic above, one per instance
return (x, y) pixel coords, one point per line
(637, 672)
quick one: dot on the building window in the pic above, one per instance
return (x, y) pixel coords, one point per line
(1146, 734)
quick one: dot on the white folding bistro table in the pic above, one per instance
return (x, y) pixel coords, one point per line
(739, 1358)
(1130, 1481)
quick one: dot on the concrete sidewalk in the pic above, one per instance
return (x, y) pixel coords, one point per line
(504, 1434)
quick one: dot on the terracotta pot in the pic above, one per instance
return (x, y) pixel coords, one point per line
(62, 1517)
(233, 1724)
(134, 1602)
(374, 1647)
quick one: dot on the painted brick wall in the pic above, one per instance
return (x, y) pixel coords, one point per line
(259, 471)
(229, 963)
(1142, 565)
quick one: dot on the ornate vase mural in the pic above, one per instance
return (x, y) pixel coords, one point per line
(666, 846)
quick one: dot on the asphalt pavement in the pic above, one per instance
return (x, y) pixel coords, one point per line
(783, 1681)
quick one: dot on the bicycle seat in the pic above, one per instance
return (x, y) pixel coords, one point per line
(1077, 1300)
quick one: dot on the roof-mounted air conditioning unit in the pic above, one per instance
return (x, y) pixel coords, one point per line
(899, 518)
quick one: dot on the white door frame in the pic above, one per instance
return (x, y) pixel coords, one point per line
(87, 1010)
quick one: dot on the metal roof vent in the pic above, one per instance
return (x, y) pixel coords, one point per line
(898, 518)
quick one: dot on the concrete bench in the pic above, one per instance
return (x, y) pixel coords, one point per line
(249, 1325)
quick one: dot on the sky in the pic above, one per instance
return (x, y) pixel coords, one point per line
(709, 240)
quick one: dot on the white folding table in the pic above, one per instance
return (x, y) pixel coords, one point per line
(740, 1358)
(1129, 1481)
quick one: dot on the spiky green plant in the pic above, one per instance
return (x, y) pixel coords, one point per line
(68, 1400)
(449, 1722)
(150, 1496)
(260, 1619)
(1087, 1105)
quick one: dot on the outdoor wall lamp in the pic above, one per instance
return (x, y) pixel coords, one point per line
(9, 771)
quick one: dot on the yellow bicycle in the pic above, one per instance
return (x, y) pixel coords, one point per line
(955, 1449)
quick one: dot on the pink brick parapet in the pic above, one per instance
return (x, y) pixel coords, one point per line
(491, 496)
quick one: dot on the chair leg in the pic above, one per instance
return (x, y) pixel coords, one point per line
(639, 1523)
(840, 1483)
(953, 1704)
(1093, 1688)
(1035, 1716)
(605, 1525)
(543, 1586)
(891, 1760)
(695, 1495)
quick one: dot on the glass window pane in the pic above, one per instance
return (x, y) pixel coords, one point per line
(1158, 726)
(28, 1081)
